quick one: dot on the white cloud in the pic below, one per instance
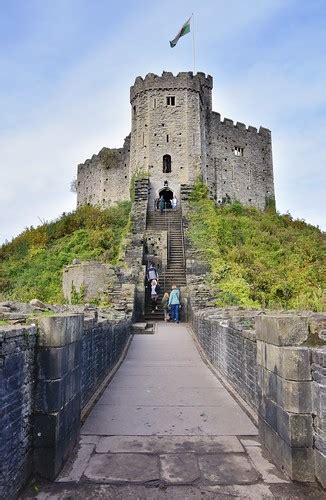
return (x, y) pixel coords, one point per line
(76, 101)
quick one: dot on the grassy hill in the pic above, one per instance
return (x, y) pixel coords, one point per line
(31, 264)
(259, 259)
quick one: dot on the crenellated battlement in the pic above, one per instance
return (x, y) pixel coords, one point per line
(183, 80)
(240, 126)
(176, 137)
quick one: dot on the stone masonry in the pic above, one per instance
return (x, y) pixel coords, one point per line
(176, 137)
(49, 373)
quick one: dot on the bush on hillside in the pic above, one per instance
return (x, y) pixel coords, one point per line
(258, 259)
(31, 264)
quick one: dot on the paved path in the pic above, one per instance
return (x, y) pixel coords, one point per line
(166, 428)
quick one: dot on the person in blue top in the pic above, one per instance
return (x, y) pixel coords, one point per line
(174, 303)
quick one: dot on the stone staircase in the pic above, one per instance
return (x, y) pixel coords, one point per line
(175, 272)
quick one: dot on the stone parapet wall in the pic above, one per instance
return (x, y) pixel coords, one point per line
(102, 345)
(48, 372)
(104, 179)
(291, 389)
(17, 349)
(276, 362)
(157, 247)
(183, 80)
(247, 178)
(230, 346)
(318, 372)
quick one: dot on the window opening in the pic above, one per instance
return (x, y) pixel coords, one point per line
(134, 108)
(167, 137)
(154, 102)
(166, 164)
(238, 151)
(170, 100)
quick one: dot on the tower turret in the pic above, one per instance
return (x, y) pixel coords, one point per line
(168, 126)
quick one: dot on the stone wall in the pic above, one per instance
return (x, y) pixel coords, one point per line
(17, 347)
(45, 384)
(101, 282)
(276, 362)
(102, 345)
(195, 138)
(91, 279)
(318, 371)
(291, 390)
(57, 401)
(157, 248)
(104, 179)
(247, 178)
(229, 342)
(134, 248)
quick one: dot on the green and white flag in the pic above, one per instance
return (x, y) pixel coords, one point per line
(183, 31)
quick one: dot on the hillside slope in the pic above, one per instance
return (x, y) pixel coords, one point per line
(258, 259)
(31, 264)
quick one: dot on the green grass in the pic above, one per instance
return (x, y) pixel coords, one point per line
(258, 259)
(31, 264)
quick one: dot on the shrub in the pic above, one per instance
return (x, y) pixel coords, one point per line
(31, 264)
(258, 259)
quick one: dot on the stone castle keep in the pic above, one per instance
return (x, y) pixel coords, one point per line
(176, 137)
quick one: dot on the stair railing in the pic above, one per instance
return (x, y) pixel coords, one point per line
(183, 244)
(168, 241)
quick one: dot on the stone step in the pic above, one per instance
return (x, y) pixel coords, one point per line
(142, 328)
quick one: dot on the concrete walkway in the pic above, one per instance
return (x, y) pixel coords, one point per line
(166, 428)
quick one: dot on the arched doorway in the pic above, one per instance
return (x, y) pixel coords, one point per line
(167, 196)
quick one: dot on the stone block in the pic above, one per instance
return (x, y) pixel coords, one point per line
(48, 461)
(49, 395)
(52, 362)
(51, 428)
(46, 430)
(227, 469)
(291, 363)
(319, 399)
(282, 329)
(297, 462)
(72, 384)
(123, 467)
(295, 429)
(292, 396)
(181, 468)
(58, 331)
(320, 467)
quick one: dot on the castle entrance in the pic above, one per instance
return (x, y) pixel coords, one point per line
(167, 196)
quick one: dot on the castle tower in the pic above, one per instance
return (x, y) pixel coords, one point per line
(168, 128)
(175, 138)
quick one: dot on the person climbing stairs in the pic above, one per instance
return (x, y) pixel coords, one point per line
(175, 272)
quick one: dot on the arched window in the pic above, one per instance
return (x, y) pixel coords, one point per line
(166, 164)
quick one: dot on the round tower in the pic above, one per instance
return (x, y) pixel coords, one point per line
(168, 128)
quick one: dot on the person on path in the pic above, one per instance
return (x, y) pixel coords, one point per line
(152, 273)
(174, 303)
(165, 304)
(174, 202)
(155, 290)
(161, 204)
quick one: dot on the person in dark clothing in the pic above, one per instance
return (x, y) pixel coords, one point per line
(161, 204)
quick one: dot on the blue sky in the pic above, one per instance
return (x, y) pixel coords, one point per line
(67, 65)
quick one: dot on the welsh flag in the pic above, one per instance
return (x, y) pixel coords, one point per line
(183, 31)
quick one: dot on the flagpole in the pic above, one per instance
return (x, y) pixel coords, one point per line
(193, 41)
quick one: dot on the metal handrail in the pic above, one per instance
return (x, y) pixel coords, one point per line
(183, 244)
